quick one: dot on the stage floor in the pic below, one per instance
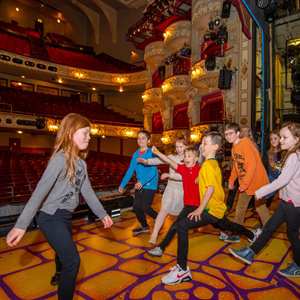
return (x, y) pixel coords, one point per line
(115, 265)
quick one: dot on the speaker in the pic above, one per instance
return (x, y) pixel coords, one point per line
(224, 79)
(295, 97)
(161, 72)
(226, 9)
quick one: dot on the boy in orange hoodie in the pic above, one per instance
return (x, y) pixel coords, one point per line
(251, 174)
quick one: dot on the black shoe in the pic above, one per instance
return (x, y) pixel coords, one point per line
(141, 229)
(55, 279)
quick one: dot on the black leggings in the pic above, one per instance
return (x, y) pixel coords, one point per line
(57, 230)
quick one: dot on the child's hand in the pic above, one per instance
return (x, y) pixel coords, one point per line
(154, 149)
(164, 176)
(138, 186)
(196, 213)
(231, 186)
(143, 161)
(14, 236)
(241, 190)
(107, 221)
(256, 197)
(120, 190)
(197, 180)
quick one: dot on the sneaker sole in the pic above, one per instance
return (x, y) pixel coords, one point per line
(135, 233)
(154, 255)
(241, 258)
(232, 242)
(188, 278)
(292, 276)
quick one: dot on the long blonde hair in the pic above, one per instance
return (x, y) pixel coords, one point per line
(295, 131)
(64, 141)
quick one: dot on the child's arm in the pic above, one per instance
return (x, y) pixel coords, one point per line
(164, 176)
(151, 161)
(197, 212)
(128, 175)
(165, 158)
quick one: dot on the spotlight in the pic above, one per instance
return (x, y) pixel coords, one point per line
(167, 62)
(217, 22)
(211, 25)
(206, 37)
(226, 9)
(169, 13)
(183, 53)
(292, 61)
(296, 74)
(161, 72)
(262, 3)
(222, 35)
(189, 51)
(210, 63)
(171, 59)
(134, 31)
(139, 29)
(40, 123)
(159, 4)
(213, 36)
(271, 11)
(292, 49)
(127, 38)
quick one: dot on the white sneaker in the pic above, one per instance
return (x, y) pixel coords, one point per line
(176, 275)
(256, 233)
(155, 251)
(223, 236)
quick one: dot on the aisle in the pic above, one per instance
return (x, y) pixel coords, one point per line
(115, 265)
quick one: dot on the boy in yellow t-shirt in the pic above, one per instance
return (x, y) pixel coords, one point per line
(211, 209)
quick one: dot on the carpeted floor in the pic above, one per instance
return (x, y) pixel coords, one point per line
(115, 265)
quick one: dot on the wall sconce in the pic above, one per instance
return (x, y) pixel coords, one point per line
(127, 132)
(52, 126)
(79, 74)
(120, 79)
(165, 138)
(94, 129)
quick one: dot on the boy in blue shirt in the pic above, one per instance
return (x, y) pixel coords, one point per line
(146, 186)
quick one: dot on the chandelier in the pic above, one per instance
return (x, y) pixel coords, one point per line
(79, 74)
(127, 132)
(120, 79)
(52, 126)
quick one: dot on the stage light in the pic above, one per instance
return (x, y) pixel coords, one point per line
(159, 4)
(29, 63)
(41, 66)
(40, 123)
(161, 72)
(134, 31)
(17, 61)
(211, 25)
(213, 36)
(296, 74)
(183, 53)
(271, 11)
(262, 3)
(171, 59)
(206, 37)
(217, 22)
(4, 57)
(292, 61)
(139, 29)
(226, 9)
(210, 63)
(127, 38)
(189, 51)
(222, 35)
(167, 62)
(52, 69)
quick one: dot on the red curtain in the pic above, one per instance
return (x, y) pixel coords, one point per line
(157, 123)
(212, 108)
(156, 81)
(180, 116)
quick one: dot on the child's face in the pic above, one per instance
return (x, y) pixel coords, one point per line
(190, 159)
(231, 136)
(82, 137)
(274, 140)
(180, 148)
(287, 140)
(142, 140)
(245, 133)
(208, 149)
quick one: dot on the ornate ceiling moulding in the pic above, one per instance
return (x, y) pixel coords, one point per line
(203, 11)
(155, 53)
(175, 88)
(177, 34)
(204, 79)
(153, 98)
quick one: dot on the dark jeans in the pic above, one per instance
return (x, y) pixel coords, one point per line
(284, 212)
(142, 204)
(187, 209)
(206, 219)
(231, 194)
(57, 230)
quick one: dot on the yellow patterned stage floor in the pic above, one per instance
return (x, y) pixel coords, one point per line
(115, 265)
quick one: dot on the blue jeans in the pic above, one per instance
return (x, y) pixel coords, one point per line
(284, 212)
(57, 230)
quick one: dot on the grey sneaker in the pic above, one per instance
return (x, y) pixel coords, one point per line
(155, 252)
(291, 271)
(256, 233)
(223, 236)
(233, 239)
(140, 229)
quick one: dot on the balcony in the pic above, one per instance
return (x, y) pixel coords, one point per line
(155, 54)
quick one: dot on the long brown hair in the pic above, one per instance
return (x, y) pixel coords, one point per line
(181, 138)
(64, 141)
(295, 131)
(273, 150)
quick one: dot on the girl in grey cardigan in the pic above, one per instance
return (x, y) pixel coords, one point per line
(65, 176)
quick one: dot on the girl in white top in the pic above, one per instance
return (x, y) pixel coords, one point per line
(172, 200)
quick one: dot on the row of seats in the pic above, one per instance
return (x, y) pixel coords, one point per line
(14, 44)
(58, 106)
(19, 29)
(58, 38)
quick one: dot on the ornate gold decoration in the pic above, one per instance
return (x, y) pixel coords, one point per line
(168, 137)
(154, 53)
(52, 125)
(244, 69)
(97, 130)
(197, 132)
(153, 98)
(175, 88)
(80, 74)
(120, 79)
(128, 132)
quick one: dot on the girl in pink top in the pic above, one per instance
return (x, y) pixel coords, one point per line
(288, 210)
